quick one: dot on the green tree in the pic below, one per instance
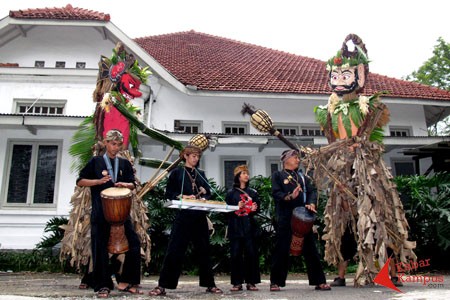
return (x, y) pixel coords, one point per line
(436, 72)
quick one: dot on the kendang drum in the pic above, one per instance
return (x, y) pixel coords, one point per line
(116, 204)
(301, 224)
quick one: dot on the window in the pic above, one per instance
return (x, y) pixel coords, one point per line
(399, 131)
(403, 167)
(287, 130)
(32, 171)
(40, 107)
(80, 65)
(228, 168)
(39, 63)
(187, 126)
(272, 164)
(235, 128)
(312, 131)
(60, 64)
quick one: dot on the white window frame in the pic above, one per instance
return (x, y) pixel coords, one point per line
(37, 62)
(406, 129)
(272, 160)
(311, 127)
(223, 159)
(17, 103)
(32, 176)
(281, 128)
(188, 123)
(80, 65)
(244, 125)
(401, 160)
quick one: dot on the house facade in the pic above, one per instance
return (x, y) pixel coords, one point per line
(48, 72)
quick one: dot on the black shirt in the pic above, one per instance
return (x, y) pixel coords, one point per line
(242, 226)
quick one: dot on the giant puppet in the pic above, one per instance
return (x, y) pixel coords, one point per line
(362, 193)
(120, 80)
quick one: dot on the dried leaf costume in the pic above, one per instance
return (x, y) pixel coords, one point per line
(362, 194)
(119, 79)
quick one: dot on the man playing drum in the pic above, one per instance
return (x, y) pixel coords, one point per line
(187, 182)
(291, 190)
(100, 173)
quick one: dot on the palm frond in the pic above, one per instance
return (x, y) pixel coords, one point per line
(82, 142)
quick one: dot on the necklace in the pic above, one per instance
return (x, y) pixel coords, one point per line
(194, 185)
(290, 177)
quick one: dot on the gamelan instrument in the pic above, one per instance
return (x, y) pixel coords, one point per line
(301, 224)
(116, 204)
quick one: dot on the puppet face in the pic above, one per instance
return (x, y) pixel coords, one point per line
(243, 178)
(344, 80)
(129, 87)
(113, 147)
(191, 159)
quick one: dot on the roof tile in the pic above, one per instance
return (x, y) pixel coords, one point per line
(60, 13)
(219, 64)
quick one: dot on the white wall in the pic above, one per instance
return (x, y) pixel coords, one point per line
(57, 43)
(22, 228)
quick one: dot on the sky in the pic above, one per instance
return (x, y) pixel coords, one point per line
(399, 34)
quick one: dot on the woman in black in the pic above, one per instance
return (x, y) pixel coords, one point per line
(243, 232)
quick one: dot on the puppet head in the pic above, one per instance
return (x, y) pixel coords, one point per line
(348, 69)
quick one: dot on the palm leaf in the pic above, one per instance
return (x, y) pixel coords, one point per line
(347, 123)
(153, 163)
(82, 142)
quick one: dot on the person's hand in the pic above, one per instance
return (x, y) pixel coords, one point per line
(254, 206)
(123, 185)
(188, 196)
(241, 204)
(311, 207)
(103, 180)
(296, 192)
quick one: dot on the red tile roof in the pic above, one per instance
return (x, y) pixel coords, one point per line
(9, 65)
(60, 13)
(219, 64)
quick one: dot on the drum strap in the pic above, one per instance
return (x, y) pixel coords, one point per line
(304, 186)
(110, 169)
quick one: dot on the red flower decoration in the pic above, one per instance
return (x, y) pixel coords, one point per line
(337, 61)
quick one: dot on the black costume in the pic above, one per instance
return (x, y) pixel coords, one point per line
(100, 228)
(243, 233)
(189, 225)
(284, 182)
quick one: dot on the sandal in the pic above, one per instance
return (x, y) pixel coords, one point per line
(131, 289)
(323, 287)
(103, 292)
(157, 291)
(274, 288)
(214, 290)
(83, 286)
(252, 287)
(236, 288)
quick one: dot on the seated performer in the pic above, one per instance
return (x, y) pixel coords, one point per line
(100, 173)
(287, 191)
(190, 225)
(243, 232)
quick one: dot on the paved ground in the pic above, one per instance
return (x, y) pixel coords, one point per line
(39, 286)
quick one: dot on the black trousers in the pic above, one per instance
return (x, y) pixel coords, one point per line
(280, 259)
(244, 261)
(187, 229)
(131, 271)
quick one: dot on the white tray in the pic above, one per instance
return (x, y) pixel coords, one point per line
(186, 204)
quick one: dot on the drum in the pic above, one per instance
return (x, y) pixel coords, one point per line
(301, 224)
(116, 204)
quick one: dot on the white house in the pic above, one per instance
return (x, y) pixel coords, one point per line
(48, 69)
